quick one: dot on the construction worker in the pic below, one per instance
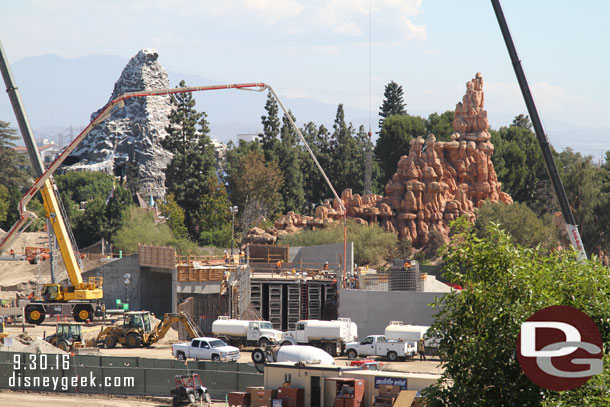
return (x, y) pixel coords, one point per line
(278, 266)
(226, 257)
(325, 265)
(12, 253)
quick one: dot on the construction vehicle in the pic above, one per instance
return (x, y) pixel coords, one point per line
(67, 336)
(3, 334)
(189, 389)
(136, 330)
(84, 298)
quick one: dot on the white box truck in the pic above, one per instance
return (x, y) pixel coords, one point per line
(238, 332)
(378, 345)
(330, 336)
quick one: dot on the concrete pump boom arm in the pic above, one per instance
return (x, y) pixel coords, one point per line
(27, 216)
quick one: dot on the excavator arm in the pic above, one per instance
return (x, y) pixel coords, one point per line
(170, 319)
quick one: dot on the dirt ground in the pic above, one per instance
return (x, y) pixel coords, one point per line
(27, 399)
(19, 276)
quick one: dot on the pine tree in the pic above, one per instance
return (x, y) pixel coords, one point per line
(347, 155)
(271, 130)
(290, 164)
(316, 189)
(193, 162)
(393, 102)
(11, 162)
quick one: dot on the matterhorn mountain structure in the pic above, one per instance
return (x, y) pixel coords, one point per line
(128, 143)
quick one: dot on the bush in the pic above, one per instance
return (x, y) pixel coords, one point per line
(372, 244)
(140, 227)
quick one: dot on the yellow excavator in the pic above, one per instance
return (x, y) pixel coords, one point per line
(137, 330)
(81, 299)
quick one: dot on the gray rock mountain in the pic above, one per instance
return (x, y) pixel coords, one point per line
(128, 142)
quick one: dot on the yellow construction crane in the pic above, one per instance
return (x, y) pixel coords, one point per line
(82, 299)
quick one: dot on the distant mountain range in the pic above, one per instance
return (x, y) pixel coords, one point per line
(59, 93)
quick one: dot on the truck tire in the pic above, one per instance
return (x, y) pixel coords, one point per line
(110, 341)
(258, 356)
(34, 314)
(181, 356)
(393, 356)
(286, 343)
(263, 342)
(83, 313)
(191, 398)
(352, 354)
(215, 358)
(133, 340)
(331, 349)
(207, 398)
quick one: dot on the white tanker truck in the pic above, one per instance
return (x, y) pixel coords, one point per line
(331, 336)
(246, 333)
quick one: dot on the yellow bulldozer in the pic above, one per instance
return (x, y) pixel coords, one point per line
(136, 330)
(3, 334)
(67, 336)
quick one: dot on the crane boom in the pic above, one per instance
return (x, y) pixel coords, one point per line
(573, 233)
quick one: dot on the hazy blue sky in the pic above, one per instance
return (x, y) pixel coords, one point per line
(320, 48)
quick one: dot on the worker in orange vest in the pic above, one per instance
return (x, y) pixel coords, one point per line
(278, 266)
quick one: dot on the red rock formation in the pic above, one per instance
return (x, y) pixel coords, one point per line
(436, 183)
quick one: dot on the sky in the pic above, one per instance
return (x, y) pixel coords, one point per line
(346, 51)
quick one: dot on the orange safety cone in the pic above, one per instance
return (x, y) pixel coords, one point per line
(57, 318)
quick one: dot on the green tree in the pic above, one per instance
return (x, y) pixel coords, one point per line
(193, 159)
(174, 215)
(292, 190)
(393, 102)
(519, 164)
(315, 187)
(520, 222)
(477, 328)
(271, 130)
(215, 216)
(4, 203)
(441, 125)
(256, 185)
(589, 198)
(347, 156)
(394, 141)
(12, 163)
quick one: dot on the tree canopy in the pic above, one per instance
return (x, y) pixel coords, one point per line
(504, 284)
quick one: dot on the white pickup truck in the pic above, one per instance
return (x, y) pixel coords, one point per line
(207, 349)
(378, 345)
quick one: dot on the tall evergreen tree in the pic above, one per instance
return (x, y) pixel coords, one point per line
(316, 189)
(193, 162)
(394, 141)
(393, 102)
(11, 162)
(290, 163)
(271, 130)
(347, 155)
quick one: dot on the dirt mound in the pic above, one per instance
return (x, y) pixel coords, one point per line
(42, 346)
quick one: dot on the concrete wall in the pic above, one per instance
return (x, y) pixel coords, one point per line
(315, 256)
(152, 377)
(114, 282)
(150, 289)
(372, 311)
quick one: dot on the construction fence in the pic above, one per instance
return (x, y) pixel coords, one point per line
(118, 375)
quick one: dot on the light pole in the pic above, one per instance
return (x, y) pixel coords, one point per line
(233, 210)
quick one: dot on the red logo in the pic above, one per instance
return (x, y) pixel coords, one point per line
(559, 348)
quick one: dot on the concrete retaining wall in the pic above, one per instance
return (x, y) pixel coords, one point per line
(373, 310)
(113, 375)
